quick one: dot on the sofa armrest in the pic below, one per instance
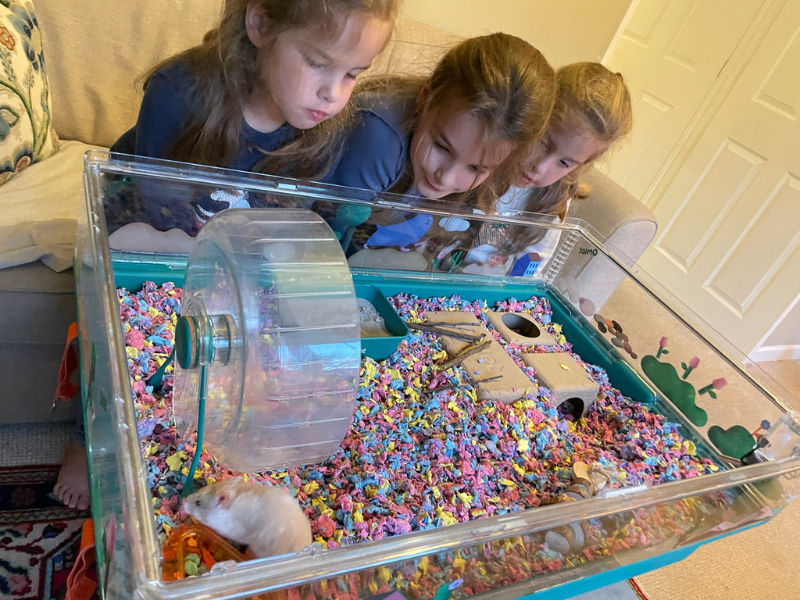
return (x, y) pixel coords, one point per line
(37, 306)
(625, 225)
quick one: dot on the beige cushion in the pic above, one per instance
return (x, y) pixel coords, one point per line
(388, 258)
(620, 218)
(26, 136)
(96, 51)
(414, 50)
(39, 210)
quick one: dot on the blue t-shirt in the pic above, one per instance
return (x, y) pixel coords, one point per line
(375, 157)
(169, 100)
(375, 154)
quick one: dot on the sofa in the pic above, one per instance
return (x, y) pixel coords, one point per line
(95, 52)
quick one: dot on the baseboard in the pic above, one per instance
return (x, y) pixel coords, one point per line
(769, 353)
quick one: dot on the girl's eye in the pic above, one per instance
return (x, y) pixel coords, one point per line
(441, 146)
(312, 63)
(564, 164)
(353, 76)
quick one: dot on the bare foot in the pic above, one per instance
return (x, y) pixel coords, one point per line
(72, 486)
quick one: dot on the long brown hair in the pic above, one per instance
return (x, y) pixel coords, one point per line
(226, 68)
(590, 101)
(507, 84)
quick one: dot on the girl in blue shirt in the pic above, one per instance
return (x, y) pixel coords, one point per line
(443, 136)
(266, 91)
(272, 72)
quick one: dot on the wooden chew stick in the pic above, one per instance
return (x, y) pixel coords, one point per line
(445, 332)
(469, 347)
(464, 354)
(435, 324)
(473, 344)
(426, 325)
(450, 386)
(486, 380)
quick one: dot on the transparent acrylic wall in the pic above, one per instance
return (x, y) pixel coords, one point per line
(283, 377)
(603, 532)
(704, 386)
(118, 482)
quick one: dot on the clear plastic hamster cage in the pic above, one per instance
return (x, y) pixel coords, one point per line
(607, 308)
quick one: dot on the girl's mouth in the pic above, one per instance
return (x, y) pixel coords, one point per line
(317, 115)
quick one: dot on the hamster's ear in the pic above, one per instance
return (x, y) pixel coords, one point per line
(229, 492)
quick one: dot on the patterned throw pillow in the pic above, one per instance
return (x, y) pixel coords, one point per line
(26, 136)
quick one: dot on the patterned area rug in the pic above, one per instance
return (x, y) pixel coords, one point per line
(39, 537)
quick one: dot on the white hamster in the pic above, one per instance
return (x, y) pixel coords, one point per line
(265, 518)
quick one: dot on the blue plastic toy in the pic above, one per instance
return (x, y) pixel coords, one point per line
(402, 234)
(526, 266)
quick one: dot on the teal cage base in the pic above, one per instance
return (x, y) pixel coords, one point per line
(589, 345)
(585, 339)
(586, 342)
(612, 576)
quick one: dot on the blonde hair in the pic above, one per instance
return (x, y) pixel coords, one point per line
(593, 102)
(226, 68)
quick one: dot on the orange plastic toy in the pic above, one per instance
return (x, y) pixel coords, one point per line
(193, 549)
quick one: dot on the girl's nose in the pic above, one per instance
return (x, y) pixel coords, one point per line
(542, 168)
(331, 92)
(446, 175)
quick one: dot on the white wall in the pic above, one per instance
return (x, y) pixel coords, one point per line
(564, 31)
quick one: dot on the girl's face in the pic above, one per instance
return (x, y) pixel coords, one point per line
(308, 79)
(449, 152)
(557, 155)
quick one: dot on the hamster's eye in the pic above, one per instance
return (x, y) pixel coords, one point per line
(197, 503)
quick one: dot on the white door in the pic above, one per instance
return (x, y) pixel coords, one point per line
(670, 53)
(729, 243)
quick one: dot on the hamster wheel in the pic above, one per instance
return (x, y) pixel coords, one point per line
(268, 343)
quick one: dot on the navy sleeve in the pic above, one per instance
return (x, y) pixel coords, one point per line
(374, 156)
(164, 113)
(167, 104)
(166, 108)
